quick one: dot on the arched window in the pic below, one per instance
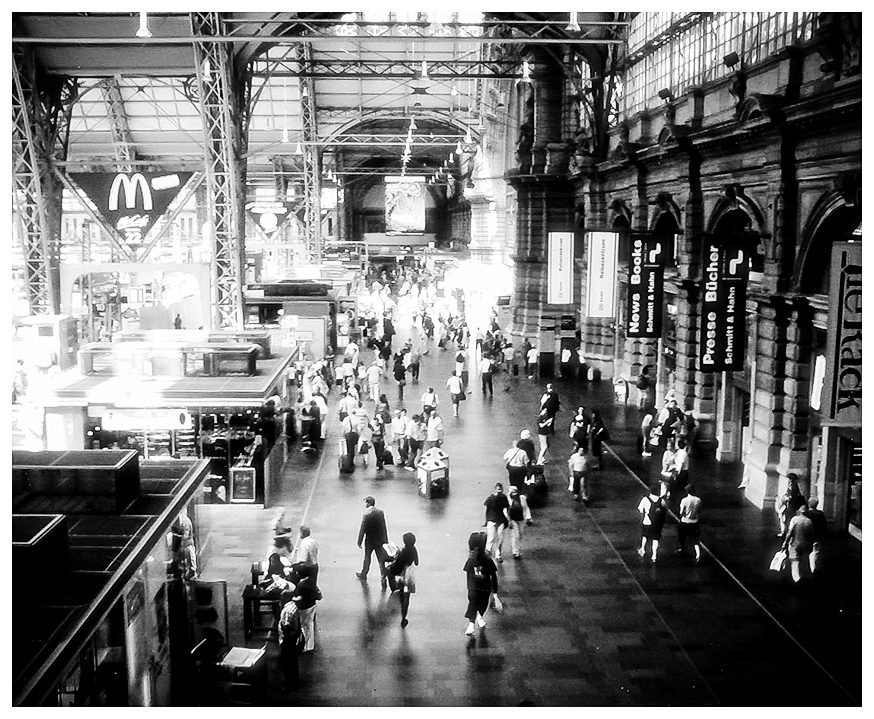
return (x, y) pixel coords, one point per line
(738, 222)
(667, 226)
(843, 224)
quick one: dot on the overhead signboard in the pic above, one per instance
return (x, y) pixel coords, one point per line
(560, 268)
(646, 280)
(601, 278)
(131, 202)
(145, 419)
(723, 304)
(842, 388)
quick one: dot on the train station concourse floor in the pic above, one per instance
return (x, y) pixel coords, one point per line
(586, 621)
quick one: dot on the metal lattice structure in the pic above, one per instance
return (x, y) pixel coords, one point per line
(311, 183)
(213, 63)
(42, 293)
(125, 154)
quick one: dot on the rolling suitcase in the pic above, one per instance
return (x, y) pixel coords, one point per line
(345, 461)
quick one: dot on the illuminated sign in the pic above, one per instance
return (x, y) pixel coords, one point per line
(601, 278)
(560, 268)
(723, 304)
(842, 389)
(646, 279)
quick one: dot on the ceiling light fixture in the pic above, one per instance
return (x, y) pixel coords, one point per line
(144, 26)
(454, 91)
(468, 138)
(285, 134)
(206, 69)
(298, 150)
(413, 123)
(573, 25)
(424, 74)
(458, 147)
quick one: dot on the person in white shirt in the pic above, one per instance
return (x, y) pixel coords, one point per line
(307, 552)
(456, 389)
(486, 366)
(688, 527)
(351, 432)
(416, 436)
(509, 354)
(531, 359)
(347, 405)
(434, 434)
(429, 402)
(374, 373)
(681, 464)
(399, 434)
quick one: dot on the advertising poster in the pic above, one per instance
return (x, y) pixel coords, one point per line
(842, 388)
(646, 279)
(601, 285)
(723, 304)
(560, 268)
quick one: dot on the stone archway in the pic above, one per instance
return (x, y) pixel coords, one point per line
(832, 219)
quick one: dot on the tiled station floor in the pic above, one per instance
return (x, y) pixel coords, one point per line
(587, 622)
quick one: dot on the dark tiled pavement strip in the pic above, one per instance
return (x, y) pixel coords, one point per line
(587, 621)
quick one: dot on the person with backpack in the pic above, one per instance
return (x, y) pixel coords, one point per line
(291, 640)
(652, 521)
(579, 429)
(482, 582)
(520, 515)
(403, 569)
(644, 384)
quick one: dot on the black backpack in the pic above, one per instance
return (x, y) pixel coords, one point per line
(657, 512)
(516, 512)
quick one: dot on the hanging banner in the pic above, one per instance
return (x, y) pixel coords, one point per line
(842, 389)
(601, 281)
(723, 304)
(131, 202)
(646, 281)
(560, 268)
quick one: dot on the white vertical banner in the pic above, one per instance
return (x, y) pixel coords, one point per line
(601, 281)
(560, 268)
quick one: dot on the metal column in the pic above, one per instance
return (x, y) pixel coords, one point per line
(311, 171)
(213, 63)
(29, 167)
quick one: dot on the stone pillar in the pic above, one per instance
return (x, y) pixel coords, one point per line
(545, 204)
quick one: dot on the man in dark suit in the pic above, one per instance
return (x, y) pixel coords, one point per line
(374, 534)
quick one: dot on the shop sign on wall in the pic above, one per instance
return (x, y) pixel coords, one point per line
(723, 304)
(601, 285)
(646, 281)
(145, 419)
(560, 268)
(842, 389)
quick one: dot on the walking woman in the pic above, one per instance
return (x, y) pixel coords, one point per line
(404, 571)
(598, 433)
(482, 582)
(579, 429)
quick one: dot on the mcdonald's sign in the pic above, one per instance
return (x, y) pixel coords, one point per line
(131, 202)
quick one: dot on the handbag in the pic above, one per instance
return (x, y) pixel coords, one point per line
(391, 550)
(779, 560)
(497, 604)
(462, 397)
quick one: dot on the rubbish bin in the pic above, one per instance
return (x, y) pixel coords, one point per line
(432, 472)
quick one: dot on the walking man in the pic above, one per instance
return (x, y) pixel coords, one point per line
(520, 515)
(578, 468)
(453, 384)
(374, 534)
(485, 367)
(429, 402)
(374, 373)
(688, 528)
(434, 430)
(496, 517)
(652, 520)
(351, 433)
(799, 542)
(517, 462)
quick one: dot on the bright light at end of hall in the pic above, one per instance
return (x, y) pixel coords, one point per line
(144, 26)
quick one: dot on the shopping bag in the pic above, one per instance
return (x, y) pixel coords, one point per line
(779, 561)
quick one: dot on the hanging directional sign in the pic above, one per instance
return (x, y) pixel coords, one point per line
(131, 202)
(723, 304)
(646, 280)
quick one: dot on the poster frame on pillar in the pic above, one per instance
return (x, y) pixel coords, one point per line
(602, 256)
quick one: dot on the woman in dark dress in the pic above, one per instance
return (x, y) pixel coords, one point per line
(482, 582)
